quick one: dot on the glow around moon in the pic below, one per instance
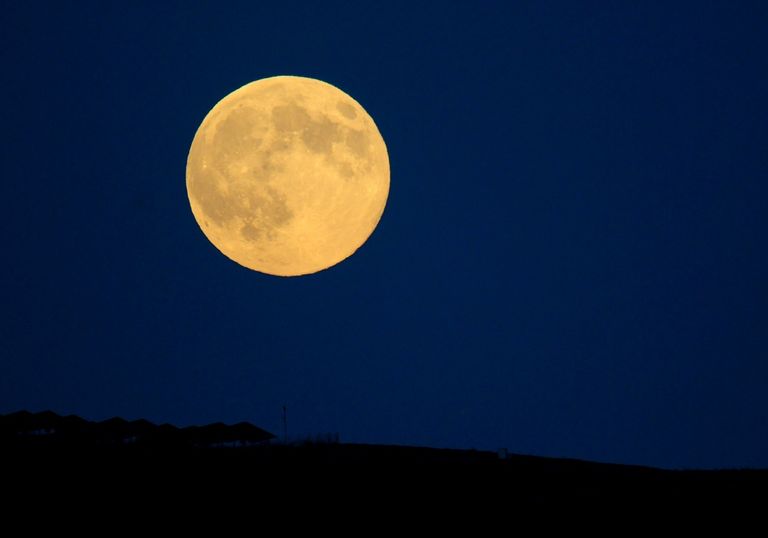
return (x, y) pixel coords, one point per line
(288, 175)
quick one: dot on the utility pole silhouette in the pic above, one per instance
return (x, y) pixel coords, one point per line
(285, 424)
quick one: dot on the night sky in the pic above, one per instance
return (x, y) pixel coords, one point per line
(572, 261)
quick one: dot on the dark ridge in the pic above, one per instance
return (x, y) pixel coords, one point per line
(47, 443)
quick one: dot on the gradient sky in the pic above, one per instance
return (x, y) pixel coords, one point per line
(572, 261)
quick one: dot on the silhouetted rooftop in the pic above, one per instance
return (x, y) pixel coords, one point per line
(23, 427)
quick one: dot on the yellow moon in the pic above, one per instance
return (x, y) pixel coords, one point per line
(288, 175)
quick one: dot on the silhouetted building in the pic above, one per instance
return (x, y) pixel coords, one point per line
(42, 429)
(220, 435)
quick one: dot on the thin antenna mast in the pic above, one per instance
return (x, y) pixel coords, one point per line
(285, 424)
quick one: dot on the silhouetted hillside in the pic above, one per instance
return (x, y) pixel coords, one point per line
(244, 452)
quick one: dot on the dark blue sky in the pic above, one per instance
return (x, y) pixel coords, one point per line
(572, 261)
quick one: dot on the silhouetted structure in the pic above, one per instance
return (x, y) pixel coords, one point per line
(29, 430)
(220, 435)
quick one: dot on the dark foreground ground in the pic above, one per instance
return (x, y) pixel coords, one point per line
(45, 453)
(536, 479)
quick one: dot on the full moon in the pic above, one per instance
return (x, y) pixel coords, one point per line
(288, 175)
